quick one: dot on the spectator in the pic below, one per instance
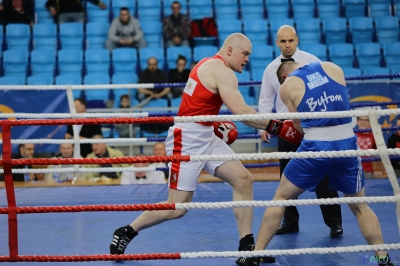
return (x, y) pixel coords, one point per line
(66, 151)
(25, 151)
(69, 10)
(123, 129)
(17, 11)
(85, 131)
(394, 142)
(153, 75)
(150, 177)
(365, 141)
(179, 75)
(159, 150)
(176, 28)
(193, 64)
(125, 31)
(100, 150)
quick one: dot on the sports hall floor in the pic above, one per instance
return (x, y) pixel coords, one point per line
(200, 230)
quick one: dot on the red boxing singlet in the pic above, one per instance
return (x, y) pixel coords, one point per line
(197, 99)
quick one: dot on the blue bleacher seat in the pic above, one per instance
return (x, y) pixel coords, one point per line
(243, 129)
(167, 7)
(256, 30)
(149, 10)
(70, 79)
(124, 60)
(95, 14)
(96, 34)
(12, 80)
(200, 9)
(361, 29)
(379, 8)
(351, 72)
(354, 8)
(40, 79)
(341, 54)
(226, 12)
(226, 27)
(261, 56)
(97, 94)
(156, 103)
(45, 36)
(335, 30)
(368, 54)
(201, 52)
(15, 62)
(244, 77)
(328, 8)
(117, 4)
(176, 102)
(174, 52)
(147, 52)
(71, 35)
(70, 61)
(277, 9)
(43, 61)
(97, 61)
(18, 36)
(42, 14)
(387, 29)
(317, 49)
(397, 7)
(308, 30)
(391, 54)
(123, 78)
(257, 74)
(253, 9)
(303, 8)
(275, 24)
(369, 71)
(152, 31)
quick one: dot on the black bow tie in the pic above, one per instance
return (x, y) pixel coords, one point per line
(137, 178)
(286, 59)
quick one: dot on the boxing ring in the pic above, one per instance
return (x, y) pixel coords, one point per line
(75, 224)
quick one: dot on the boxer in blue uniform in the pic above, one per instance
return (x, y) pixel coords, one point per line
(319, 87)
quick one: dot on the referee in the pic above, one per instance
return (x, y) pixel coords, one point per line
(287, 41)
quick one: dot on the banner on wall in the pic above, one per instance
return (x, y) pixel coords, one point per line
(32, 101)
(376, 92)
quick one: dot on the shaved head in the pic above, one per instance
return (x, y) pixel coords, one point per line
(285, 69)
(287, 40)
(236, 51)
(235, 39)
(286, 29)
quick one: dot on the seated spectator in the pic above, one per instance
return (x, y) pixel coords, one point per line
(100, 150)
(85, 131)
(179, 75)
(192, 65)
(150, 177)
(123, 129)
(176, 27)
(153, 75)
(69, 10)
(66, 151)
(393, 143)
(365, 141)
(24, 151)
(159, 150)
(17, 11)
(125, 31)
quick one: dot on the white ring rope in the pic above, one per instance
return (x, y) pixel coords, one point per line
(80, 170)
(82, 141)
(285, 252)
(208, 118)
(78, 87)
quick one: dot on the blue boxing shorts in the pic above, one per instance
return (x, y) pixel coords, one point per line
(345, 173)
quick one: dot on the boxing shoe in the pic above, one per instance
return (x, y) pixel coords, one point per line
(336, 231)
(122, 237)
(247, 244)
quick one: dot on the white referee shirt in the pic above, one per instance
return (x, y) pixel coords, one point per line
(152, 177)
(270, 84)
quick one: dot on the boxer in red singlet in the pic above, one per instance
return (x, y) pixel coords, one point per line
(211, 83)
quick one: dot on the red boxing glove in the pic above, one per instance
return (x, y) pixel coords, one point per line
(285, 130)
(226, 131)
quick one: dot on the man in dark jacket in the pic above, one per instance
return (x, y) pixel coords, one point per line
(17, 11)
(176, 27)
(69, 10)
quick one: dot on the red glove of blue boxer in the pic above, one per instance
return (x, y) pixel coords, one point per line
(226, 131)
(285, 130)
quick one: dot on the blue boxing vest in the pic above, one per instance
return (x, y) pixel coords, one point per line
(322, 94)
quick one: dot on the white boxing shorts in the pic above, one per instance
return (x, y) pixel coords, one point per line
(192, 139)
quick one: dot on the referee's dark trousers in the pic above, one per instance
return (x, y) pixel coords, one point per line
(332, 213)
